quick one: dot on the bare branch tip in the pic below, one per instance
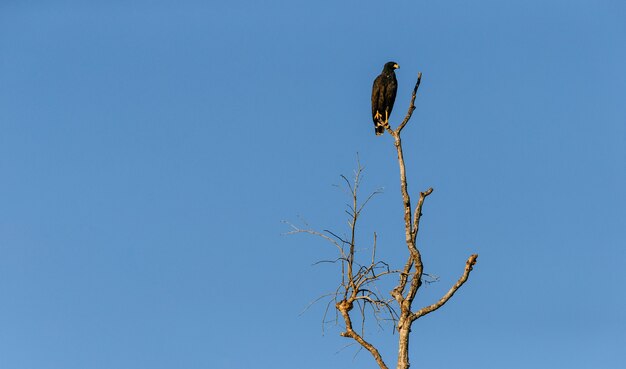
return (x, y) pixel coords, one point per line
(472, 260)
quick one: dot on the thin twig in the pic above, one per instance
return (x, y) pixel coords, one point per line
(412, 105)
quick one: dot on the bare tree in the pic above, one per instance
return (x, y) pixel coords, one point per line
(358, 281)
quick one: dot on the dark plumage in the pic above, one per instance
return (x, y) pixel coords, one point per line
(383, 96)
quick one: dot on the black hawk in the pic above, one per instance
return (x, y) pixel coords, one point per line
(383, 96)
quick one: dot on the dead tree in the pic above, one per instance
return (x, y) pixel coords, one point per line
(358, 286)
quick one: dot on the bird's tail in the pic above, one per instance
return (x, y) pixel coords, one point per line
(379, 128)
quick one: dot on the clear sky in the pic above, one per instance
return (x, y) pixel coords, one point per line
(149, 151)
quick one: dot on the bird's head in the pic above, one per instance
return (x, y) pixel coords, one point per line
(391, 66)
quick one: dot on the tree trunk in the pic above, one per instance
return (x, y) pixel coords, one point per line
(403, 347)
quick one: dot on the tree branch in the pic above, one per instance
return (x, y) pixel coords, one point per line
(429, 309)
(418, 212)
(344, 308)
(412, 105)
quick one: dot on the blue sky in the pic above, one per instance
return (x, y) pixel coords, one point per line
(150, 150)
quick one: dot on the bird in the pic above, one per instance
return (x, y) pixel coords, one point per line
(383, 96)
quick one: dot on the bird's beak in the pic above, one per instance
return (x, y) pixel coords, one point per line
(396, 66)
